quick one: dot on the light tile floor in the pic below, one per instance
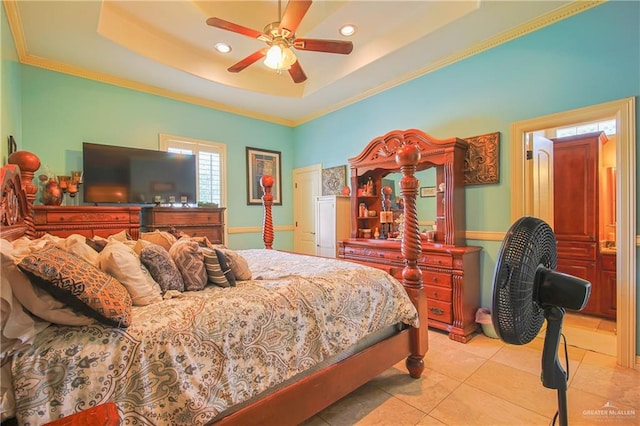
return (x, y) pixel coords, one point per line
(488, 382)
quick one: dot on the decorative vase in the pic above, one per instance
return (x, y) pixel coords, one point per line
(346, 190)
(51, 193)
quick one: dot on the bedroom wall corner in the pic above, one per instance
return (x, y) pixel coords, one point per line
(10, 82)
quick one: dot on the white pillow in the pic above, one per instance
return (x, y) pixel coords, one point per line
(34, 299)
(122, 263)
(77, 244)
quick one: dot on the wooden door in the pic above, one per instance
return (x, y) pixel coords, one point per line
(575, 182)
(575, 210)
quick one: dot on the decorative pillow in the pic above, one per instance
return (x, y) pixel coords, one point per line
(80, 285)
(121, 262)
(165, 239)
(121, 236)
(36, 300)
(189, 259)
(161, 266)
(226, 269)
(215, 274)
(96, 243)
(239, 265)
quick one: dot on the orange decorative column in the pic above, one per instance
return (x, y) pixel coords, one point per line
(266, 181)
(407, 157)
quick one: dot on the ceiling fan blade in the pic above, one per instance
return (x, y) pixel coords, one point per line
(328, 46)
(255, 56)
(230, 26)
(296, 73)
(293, 14)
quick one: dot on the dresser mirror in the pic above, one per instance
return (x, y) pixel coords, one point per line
(425, 206)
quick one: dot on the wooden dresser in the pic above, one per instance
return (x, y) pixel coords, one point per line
(450, 268)
(89, 221)
(193, 221)
(450, 276)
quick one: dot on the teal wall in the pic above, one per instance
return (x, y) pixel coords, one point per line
(11, 101)
(591, 58)
(60, 112)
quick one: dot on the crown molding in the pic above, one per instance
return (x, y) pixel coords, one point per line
(519, 31)
(15, 23)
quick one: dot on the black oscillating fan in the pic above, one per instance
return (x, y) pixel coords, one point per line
(527, 290)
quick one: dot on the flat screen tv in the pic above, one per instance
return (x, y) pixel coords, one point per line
(114, 174)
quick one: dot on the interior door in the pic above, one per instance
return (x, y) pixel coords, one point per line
(542, 179)
(307, 182)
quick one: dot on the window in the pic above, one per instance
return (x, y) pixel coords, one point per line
(211, 158)
(608, 127)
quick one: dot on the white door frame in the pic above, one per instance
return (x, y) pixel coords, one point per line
(624, 111)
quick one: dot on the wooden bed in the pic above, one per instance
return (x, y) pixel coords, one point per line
(301, 398)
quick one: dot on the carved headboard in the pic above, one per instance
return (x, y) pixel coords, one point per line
(18, 194)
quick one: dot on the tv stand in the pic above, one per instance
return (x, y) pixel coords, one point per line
(89, 221)
(195, 222)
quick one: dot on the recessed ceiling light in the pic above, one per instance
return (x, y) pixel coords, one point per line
(348, 30)
(223, 47)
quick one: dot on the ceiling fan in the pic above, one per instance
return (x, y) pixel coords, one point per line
(280, 38)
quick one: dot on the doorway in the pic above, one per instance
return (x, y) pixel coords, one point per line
(567, 180)
(624, 113)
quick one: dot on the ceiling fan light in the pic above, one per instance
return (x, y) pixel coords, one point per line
(279, 57)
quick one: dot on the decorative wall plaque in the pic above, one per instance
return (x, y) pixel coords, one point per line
(333, 180)
(481, 163)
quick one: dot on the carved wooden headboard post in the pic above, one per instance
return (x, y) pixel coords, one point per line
(408, 157)
(266, 182)
(28, 163)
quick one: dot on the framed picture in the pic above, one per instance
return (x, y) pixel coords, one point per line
(427, 191)
(333, 180)
(262, 162)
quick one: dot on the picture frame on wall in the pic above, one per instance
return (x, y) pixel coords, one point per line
(427, 191)
(262, 162)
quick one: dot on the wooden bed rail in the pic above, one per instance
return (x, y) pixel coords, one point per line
(266, 182)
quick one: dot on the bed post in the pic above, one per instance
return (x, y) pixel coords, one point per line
(407, 157)
(266, 182)
(28, 163)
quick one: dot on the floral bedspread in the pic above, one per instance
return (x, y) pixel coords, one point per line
(186, 359)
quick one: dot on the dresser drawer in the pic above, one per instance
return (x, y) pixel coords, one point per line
(436, 260)
(436, 278)
(213, 233)
(438, 293)
(440, 311)
(72, 217)
(187, 216)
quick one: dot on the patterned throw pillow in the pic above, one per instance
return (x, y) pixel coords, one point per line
(80, 285)
(215, 274)
(189, 259)
(162, 267)
(226, 268)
